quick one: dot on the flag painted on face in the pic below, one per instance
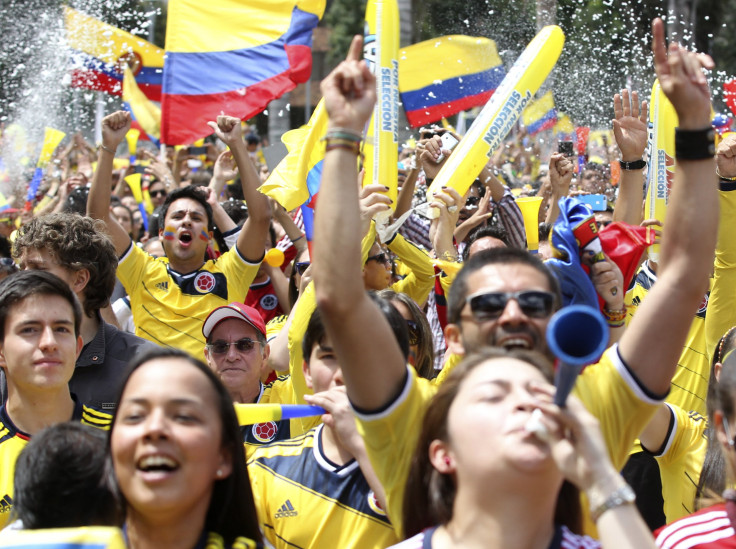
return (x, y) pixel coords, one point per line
(540, 114)
(446, 75)
(99, 52)
(233, 57)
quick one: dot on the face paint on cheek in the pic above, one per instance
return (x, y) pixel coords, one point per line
(204, 236)
(169, 233)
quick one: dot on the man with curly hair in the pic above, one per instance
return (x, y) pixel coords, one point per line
(77, 250)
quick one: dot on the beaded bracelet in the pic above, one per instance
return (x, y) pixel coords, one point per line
(616, 318)
(723, 177)
(108, 149)
(343, 133)
(333, 144)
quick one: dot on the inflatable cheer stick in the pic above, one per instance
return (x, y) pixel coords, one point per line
(500, 113)
(661, 172)
(381, 52)
(250, 414)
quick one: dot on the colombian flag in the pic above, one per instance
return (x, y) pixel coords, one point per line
(564, 126)
(296, 180)
(446, 75)
(540, 114)
(146, 114)
(99, 50)
(232, 57)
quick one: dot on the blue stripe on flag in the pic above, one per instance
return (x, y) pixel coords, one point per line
(235, 69)
(452, 89)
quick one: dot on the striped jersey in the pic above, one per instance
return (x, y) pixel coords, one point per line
(169, 308)
(305, 500)
(709, 528)
(13, 440)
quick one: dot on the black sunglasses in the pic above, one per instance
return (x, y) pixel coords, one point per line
(472, 201)
(414, 332)
(381, 258)
(222, 347)
(154, 194)
(490, 305)
(301, 266)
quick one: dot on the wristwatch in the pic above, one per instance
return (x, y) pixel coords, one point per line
(622, 496)
(635, 165)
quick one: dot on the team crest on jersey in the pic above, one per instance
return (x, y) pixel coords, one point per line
(374, 505)
(265, 432)
(269, 302)
(703, 305)
(204, 282)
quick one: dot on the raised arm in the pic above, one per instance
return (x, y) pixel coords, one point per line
(114, 128)
(630, 130)
(654, 339)
(560, 177)
(372, 364)
(251, 241)
(722, 303)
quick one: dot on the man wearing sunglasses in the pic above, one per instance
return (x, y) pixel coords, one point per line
(237, 352)
(500, 300)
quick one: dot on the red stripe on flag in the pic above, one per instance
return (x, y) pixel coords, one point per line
(420, 117)
(184, 117)
(99, 81)
(92, 80)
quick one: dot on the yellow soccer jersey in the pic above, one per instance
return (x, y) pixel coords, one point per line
(608, 389)
(12, 441)
(305, 500)
(279, 391)
(169, 308)
(722, 306)
(274, 326)
(690, 382)
(680, 461)
(420, 280)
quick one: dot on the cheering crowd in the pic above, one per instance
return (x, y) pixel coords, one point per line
(163, 320)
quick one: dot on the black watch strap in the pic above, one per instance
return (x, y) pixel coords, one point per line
(635, 165)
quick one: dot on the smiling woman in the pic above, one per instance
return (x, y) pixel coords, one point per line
(178, 459)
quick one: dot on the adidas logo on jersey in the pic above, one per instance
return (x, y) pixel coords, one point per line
(6, 503)
(163, 286)
(286, 510)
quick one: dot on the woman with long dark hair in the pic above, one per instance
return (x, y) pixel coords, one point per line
(178, 457)
(497, 464)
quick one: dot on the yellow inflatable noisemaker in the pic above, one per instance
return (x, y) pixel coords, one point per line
(500, 113)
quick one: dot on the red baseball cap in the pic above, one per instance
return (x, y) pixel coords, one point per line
(234, 310)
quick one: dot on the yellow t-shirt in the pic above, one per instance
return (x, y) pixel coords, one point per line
(169, 308)
(690, 382)
(608, 389)
(680, 461)
(13, 440)
(305, 500)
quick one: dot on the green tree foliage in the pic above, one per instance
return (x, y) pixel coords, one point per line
(346, 19)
